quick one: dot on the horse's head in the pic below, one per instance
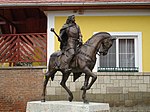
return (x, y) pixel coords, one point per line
(106, 44)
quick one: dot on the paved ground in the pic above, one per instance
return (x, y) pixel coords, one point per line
(138, 108)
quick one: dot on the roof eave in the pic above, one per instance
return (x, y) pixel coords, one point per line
(72, 4)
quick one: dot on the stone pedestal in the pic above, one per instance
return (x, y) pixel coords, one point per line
(66, 106)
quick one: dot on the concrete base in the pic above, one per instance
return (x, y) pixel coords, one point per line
(66, 106)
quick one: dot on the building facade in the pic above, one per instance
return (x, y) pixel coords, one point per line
(123, 75)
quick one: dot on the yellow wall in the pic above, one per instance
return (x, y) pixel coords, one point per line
(90, 24)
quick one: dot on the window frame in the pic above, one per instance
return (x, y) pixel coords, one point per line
(137, 36)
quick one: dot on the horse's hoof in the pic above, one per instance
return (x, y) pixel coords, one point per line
(85, 102)
(42, 100)
(70, 99)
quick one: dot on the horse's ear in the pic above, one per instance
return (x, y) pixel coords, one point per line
(114, 38)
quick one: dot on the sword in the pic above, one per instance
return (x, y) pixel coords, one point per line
(59, 39)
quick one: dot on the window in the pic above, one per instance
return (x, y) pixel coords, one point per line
(124, 55)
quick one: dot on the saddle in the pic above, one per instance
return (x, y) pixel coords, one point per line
(59, 57)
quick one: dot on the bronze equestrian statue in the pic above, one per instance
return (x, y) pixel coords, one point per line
(82, 61)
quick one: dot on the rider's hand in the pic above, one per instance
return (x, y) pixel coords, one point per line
(52, 30)
(80, 41)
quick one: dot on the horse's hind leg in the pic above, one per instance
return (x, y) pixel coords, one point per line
(63, 84)
(88, 72)
(46, 77)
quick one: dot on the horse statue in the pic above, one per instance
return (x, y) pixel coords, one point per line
(83, 62)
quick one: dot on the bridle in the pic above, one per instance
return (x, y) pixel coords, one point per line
(97, 50)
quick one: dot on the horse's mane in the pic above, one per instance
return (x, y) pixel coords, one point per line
(99, 33)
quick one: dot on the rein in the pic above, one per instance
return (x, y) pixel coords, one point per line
(98, 51)
(86, 55)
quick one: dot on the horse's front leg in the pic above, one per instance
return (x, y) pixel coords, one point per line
(63, 84)
(46, 78)
(84, 90)
(89, 73)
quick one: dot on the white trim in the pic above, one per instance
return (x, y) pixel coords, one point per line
(139, 50)
(138, 46)
(117, 51)
(108, 12)
(96, 64)
(71, 3)
(104, 12)
(50, 36)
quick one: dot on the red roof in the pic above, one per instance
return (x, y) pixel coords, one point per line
(76, 4)
(64, 1)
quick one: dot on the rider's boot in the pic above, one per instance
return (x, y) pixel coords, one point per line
(68, 60)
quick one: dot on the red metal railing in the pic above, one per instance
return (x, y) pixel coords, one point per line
(23, 47)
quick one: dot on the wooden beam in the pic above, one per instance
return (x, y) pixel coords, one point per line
(7, 20)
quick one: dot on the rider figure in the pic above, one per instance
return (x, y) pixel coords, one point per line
(71, 38)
